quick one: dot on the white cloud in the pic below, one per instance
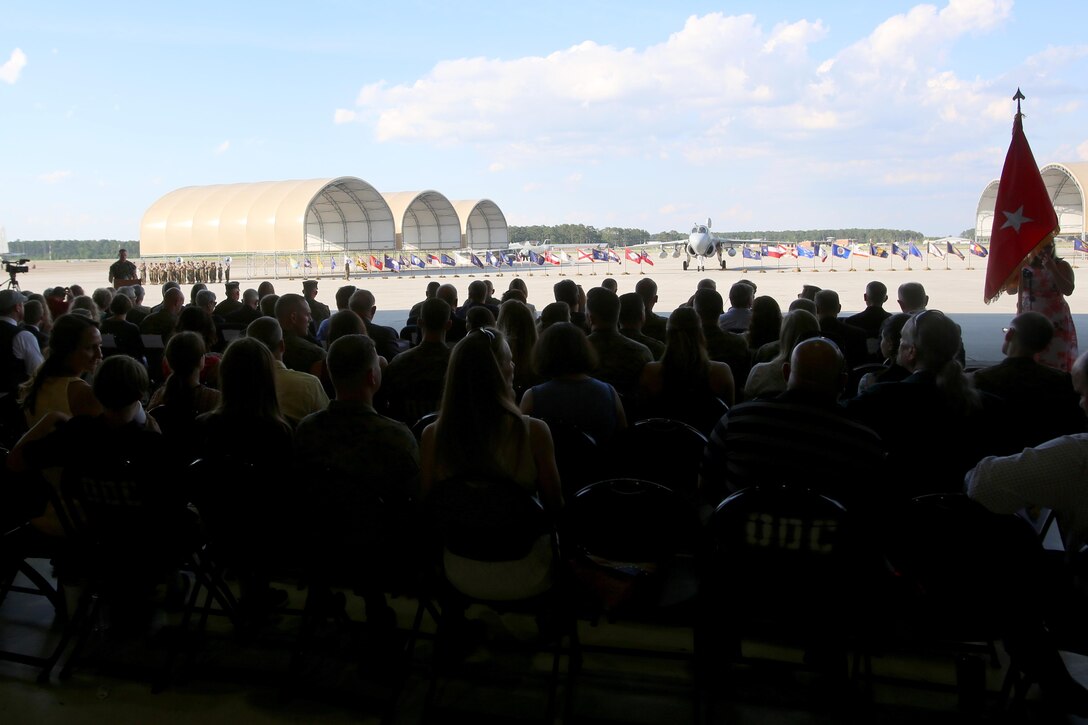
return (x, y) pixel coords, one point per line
(222, 148)
(1082, 151)
(496, 167)
(9, 71)
(721, 87)
(54, 177)
(575, 178)
(343, 115)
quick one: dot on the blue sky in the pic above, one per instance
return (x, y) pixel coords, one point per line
(769, 115)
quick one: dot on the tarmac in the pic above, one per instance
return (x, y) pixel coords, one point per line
(953, 285)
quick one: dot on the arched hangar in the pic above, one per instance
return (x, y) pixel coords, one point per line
(307, 216)
(1066, 183)
(424, 220)
(483, 225)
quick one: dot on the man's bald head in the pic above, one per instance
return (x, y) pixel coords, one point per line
(1029, 333)
(173, 299)
(362, 304)
(912, 297)
(448, 294)
(816, 367)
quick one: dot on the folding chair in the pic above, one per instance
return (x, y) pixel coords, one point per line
(665, 451)
(783, 564)
(123, 531)
(494, 521)
(19, 545)
(577, 456)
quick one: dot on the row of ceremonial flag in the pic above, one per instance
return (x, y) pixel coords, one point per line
(821, 250)
(557, 257)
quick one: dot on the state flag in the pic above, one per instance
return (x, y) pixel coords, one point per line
(896, 249)
(374, 263)
(840, 251)
(804, 249)
(936, 251)
(476, 260)
(952, 250)
(418, 262)
(448, 260)
(633, 256)
(978, 250)
(646, 258)
(749, 253)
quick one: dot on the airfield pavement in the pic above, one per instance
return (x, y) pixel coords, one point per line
(956, 290)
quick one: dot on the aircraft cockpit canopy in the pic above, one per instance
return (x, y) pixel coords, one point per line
(698, 229)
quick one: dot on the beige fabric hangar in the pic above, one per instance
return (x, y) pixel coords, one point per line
(311, 215)
(1066, 184)
(424, 220)
(483, 225)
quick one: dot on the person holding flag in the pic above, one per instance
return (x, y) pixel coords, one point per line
(1023, 259)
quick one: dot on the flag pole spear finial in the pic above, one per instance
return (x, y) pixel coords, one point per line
(1019, 97)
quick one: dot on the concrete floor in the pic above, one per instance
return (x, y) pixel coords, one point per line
(499, 681)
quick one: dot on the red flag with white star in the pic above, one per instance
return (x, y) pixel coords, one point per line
(1024, 217)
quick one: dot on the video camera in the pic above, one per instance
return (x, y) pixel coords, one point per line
(14, 268)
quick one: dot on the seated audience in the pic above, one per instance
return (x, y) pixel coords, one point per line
(632, 320)
(126, 335)
(565, 358)
(932, 409)
(619, 360)
(58, 385)
(1041, 400)
(480, 432)
(680, 385)
(767, 379)
(516, 322)
(797, 437)
(890, 333)
(411, 384)
(765, 328)
(299, 393)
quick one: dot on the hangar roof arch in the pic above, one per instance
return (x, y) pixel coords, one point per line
(424, 220)
(311, 215)
(483, 225)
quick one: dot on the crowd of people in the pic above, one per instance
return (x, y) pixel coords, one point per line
(872, 410)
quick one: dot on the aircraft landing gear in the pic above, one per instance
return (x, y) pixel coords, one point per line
(685, 265)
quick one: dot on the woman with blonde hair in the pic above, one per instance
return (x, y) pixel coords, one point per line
(59, 385)
(481, 433)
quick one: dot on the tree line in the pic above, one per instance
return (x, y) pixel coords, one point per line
(619, 237)
(71, 248)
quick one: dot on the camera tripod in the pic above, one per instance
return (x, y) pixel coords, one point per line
(13, 283)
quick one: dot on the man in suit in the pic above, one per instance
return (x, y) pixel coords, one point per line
(362, 303)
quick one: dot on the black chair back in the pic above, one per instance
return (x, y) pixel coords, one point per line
(665, 451)
(485, 519)
(626, 519)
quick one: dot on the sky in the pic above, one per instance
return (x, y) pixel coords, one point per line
(759, 115)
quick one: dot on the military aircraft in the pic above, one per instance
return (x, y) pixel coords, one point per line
(702, 244)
